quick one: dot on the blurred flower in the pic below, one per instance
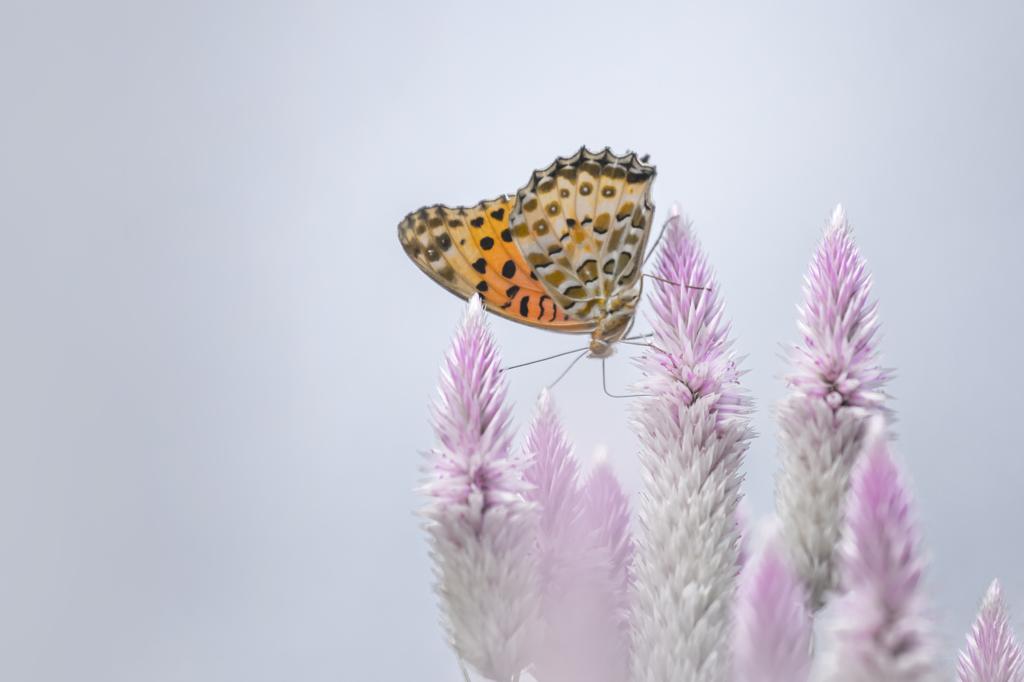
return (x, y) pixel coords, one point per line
(582, 542)
(773, 626)
(693, 428)
(993, 653)
(481, 528)
(607, 516)
(883, 630)
(835, 387)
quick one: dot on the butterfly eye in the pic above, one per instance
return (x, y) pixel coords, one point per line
(564, 193)
(608, 192)
(553, 208)
(586, 188)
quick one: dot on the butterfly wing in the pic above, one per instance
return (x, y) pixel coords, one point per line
(582, 223)
(470, 250)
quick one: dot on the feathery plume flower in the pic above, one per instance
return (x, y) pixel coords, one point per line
(607, 515)
(481, 528)
(835, 387)
(693, 427)
(608, 518)
(993, 653)
(883, 631)
(579, 550)
(773, 625)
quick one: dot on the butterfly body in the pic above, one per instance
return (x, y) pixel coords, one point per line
(565, 254)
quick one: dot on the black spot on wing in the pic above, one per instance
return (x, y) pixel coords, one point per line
(524, 306)
(508, 270)
(499, 214)
(512, 291)
(540, 315)
(482, 286)
(506, 235)
(480, 265)
(486, 243)
(477, 222)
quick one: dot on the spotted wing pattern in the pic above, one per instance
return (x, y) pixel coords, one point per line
(582, 224)
(470, 250)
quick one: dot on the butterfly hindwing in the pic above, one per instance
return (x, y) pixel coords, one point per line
(583, 224)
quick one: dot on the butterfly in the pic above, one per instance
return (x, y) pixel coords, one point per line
(566, 254)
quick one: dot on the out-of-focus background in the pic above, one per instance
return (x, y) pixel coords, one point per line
(215, 358)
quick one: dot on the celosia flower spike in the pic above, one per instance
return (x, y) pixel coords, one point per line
(773, 625)
(839, 326)
(693, 429)
(608, 517)
(835, 387)
(579, 552)
(993, 653)
(481, 529)
(884, 631)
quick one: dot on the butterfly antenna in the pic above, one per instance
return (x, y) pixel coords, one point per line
(578, 357)
(650, 252)
(550, 357)
(604, 384)
(462, 667)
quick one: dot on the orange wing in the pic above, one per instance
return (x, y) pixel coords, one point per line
(469, 250)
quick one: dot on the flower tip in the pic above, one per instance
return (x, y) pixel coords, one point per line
(837, 222)
(875, 437)
(675, 211)
(601, 456)
(475, 306)
(994, 594)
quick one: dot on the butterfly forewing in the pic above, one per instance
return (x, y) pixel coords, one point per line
(469, 250)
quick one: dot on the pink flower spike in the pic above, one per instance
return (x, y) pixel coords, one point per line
(884, 630)
(608, 517)
(993, 653)
(773, 625)
(839, 359)
(835, 388)
(580, 607)
(693, 427)
(481, 529)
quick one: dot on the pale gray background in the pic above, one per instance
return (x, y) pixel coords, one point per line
(216, 358)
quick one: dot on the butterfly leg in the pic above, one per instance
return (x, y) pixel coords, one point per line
(604, 385)
(578, 357)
